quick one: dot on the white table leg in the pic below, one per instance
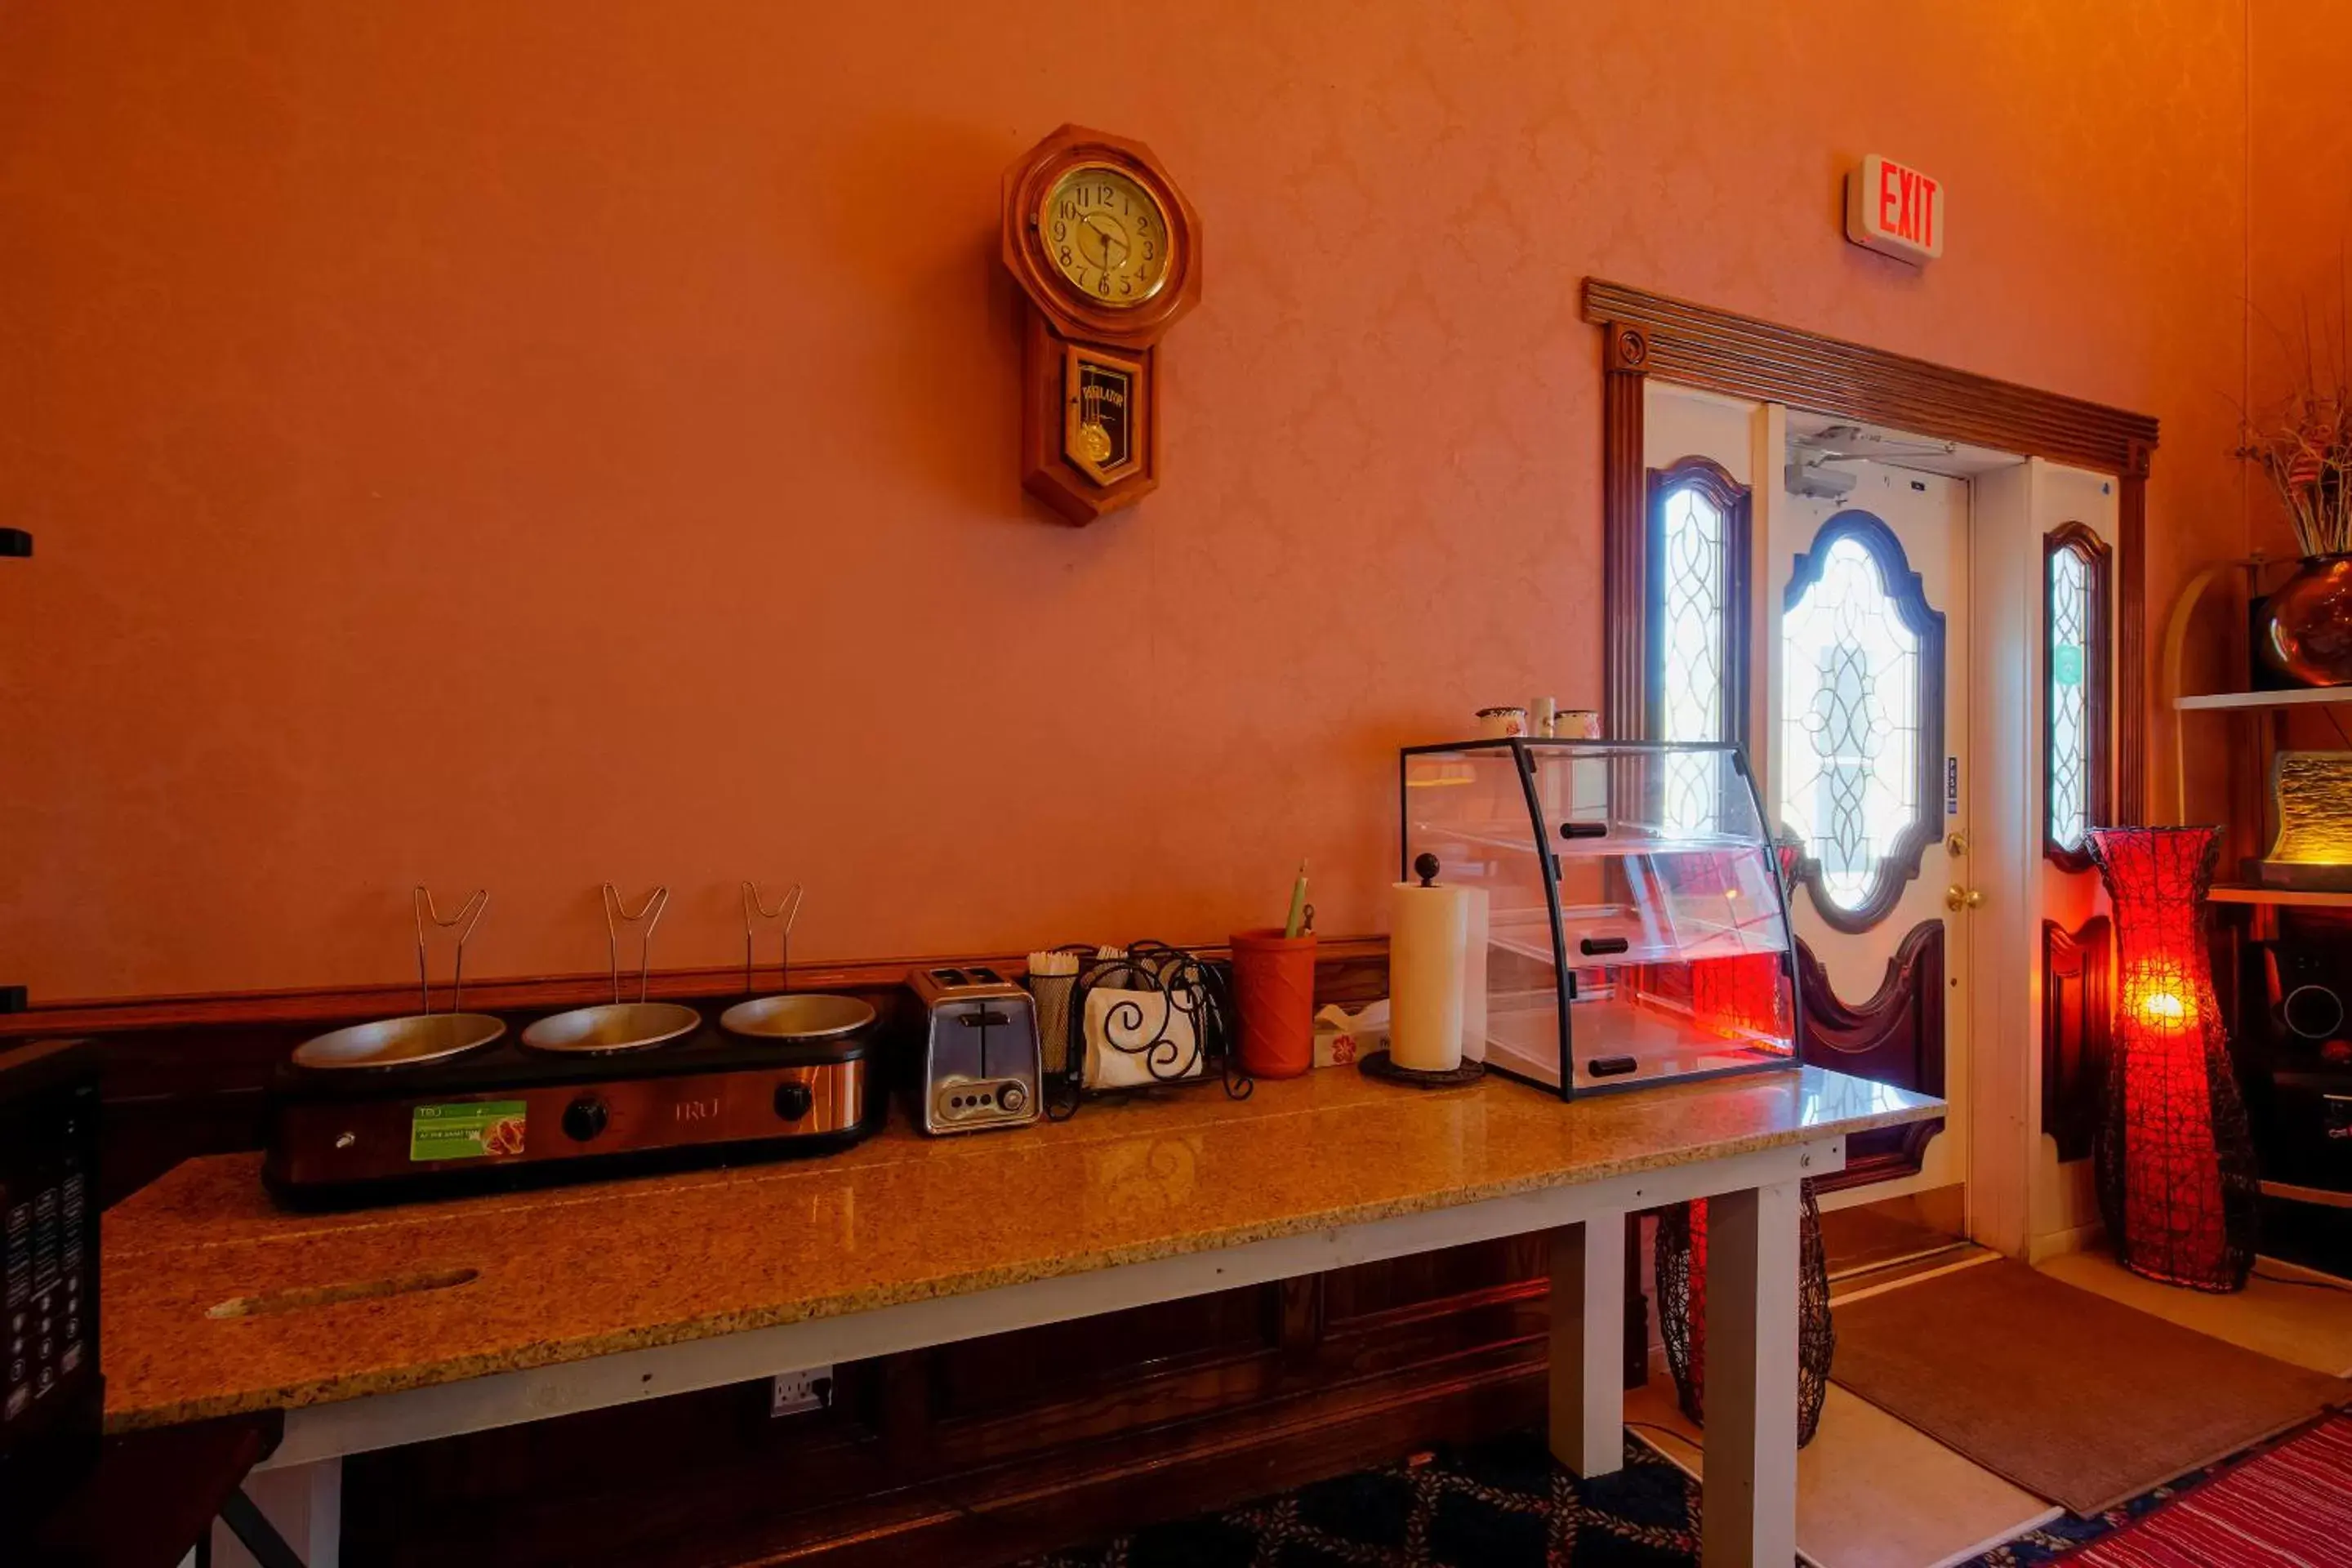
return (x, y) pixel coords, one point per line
(1587, 1345)
(1749, 1505)
(305, 1502)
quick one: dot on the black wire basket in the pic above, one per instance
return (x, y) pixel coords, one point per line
(1187, 1037)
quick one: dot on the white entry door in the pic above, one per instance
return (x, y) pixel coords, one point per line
(1866, 766)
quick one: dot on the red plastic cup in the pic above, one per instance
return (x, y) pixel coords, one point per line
(1274, 992)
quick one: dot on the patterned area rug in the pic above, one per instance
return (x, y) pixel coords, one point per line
(1504, 1504)
(2292, 1505)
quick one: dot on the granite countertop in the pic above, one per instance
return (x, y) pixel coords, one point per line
(215, 1301)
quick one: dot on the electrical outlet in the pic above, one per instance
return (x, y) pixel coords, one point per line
(811, 1388)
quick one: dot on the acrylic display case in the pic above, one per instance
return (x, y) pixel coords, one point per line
(1635, 927)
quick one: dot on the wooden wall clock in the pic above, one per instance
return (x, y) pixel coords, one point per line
(1108, 255)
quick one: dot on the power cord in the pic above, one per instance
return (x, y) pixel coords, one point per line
(2341, 1285)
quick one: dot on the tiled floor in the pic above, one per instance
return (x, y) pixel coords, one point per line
(1874, 1493)
(1871, 1493)
(2308, 1324)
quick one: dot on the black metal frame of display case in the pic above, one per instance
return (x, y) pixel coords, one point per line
(1523, 751)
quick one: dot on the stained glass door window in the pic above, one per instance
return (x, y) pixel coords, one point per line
(2074, 693)
(1698, 628)
(1862, 719)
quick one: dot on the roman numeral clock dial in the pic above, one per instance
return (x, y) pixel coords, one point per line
(1107, 252)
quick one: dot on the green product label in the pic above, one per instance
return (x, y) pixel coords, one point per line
(467, 1131)
(2066, 664)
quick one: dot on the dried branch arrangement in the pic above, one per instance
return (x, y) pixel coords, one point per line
(2304, 443)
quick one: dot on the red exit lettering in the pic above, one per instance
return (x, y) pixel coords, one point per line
(1896, 209)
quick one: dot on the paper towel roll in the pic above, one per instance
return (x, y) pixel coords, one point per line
(1428, 950)
(1473, 980)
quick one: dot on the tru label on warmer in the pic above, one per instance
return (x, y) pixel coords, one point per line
(1895, 209)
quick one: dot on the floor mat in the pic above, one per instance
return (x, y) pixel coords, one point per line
(2063, 1392)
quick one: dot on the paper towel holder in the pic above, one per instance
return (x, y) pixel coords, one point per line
(1383, 1065)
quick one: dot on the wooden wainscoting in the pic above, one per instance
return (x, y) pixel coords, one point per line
(2077, 1013)
(185, 1076)
(1897, 1036)
(996, 1448)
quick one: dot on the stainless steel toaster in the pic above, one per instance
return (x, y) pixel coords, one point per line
(978, 1066)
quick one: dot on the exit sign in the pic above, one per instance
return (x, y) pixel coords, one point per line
(1896, 209)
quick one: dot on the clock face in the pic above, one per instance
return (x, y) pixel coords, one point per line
(1105, 234)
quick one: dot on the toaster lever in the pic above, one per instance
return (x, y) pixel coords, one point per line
(982, 1020)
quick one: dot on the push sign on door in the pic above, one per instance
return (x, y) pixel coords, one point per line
(1951, 786)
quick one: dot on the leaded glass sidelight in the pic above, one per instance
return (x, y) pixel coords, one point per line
(1697, 626)
(2074, 693)
(1862, 661)
(1690, 697)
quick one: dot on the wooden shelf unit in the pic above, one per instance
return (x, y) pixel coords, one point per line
(2237, 701)
(2293, 897)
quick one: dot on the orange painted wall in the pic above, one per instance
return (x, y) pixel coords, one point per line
(532, 443)
(2299, 238)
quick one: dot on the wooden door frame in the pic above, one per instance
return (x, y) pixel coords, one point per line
(1698, 347)
(1690, 345)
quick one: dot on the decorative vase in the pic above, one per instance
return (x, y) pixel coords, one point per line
(2306, 631)
(1681, 1268)
(2174, 1159)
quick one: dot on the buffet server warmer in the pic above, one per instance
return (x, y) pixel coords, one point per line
(506, 1116)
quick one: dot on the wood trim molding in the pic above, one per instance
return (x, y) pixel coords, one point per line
(1699, 346)
(2077, 1031)
(1625, 532)
(2098, 686)
(1696, 345)
(1897, 1036)
(185, 1075)
(339, 1004)
(2131, 639)
(1901, 864)
(1735, 502)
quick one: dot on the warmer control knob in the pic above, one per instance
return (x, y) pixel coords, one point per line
(1012, 1096)
(584, 1118)
(793, 1101)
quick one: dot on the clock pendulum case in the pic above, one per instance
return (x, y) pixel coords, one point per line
(1108, 255)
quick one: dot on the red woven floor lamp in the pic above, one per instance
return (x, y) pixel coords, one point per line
(2174, 1161)
(1738, 997)
(1681, 1266)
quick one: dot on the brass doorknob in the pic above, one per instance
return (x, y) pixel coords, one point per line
(1957, 898)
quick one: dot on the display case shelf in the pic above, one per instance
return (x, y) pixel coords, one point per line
(1529, 934)
(1514, 839)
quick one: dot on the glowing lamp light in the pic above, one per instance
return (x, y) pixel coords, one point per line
(2174, 1161)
